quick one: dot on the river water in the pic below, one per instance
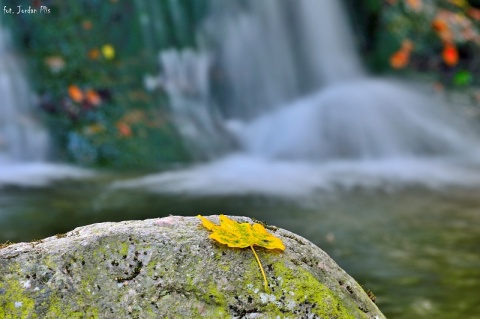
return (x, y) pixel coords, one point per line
(415, 247)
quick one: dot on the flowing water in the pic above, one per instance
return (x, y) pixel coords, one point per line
(376, 173)
(415, 248)
(24, 141)
(286, 98)
(22, 137)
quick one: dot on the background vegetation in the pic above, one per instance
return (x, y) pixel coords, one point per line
(88, 60)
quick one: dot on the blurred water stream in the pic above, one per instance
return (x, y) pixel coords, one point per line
(383, 177)
(415, 248)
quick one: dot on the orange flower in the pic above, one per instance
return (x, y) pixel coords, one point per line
(439, 25)
(87, 25)
(415, 5)
(92, 97)
(94, 54)
(450, 54)
(442, 29)
(124, 129)
(399, 59)
(474, 13)
(75, 93)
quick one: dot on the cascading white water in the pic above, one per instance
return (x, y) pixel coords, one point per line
(307, 116)
(273, 55)
(272, 52)
(22, 137)
(359, 120)
(306, 45)
(185, 79)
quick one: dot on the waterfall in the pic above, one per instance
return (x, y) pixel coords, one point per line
(295, 88)
(24, 141)
(22, 136)
(272, 52)
(360, 120)
(185, 79)
(286, 82)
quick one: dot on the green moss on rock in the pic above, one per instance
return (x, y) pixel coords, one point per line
(169, 268)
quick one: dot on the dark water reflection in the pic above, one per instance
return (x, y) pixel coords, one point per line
(418, 250)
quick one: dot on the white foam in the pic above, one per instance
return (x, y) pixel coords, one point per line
(242, 174)
(362, 119)
(38, 174)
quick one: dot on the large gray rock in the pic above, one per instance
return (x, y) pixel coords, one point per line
(169, 268)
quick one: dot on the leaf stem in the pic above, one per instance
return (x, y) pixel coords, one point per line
(261, 269)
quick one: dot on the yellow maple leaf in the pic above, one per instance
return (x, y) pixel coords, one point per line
(242, 235)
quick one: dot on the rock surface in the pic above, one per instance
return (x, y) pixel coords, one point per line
(169, 268)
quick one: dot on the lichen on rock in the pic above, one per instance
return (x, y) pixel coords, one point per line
(169, 268)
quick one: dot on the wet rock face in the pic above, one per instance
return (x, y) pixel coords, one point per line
(169, 268)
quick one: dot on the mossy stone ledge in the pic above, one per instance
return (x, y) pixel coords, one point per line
(169, 268)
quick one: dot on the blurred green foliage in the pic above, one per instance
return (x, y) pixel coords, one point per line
(444, 37)
(97, 48)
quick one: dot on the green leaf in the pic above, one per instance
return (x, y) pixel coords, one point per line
(462, 78)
